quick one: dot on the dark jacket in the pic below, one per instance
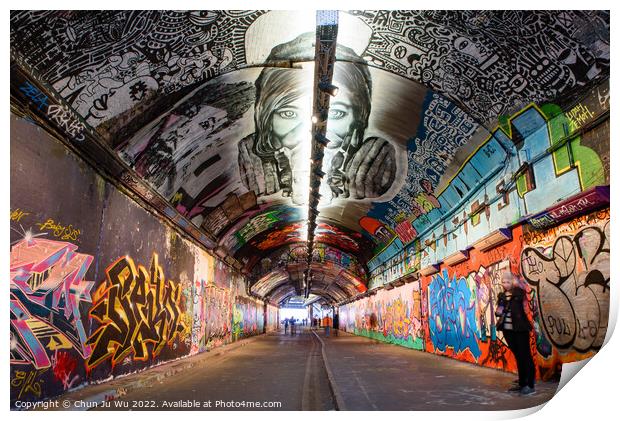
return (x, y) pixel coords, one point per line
(520, 322)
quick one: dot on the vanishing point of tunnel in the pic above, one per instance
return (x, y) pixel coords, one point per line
(306, 210)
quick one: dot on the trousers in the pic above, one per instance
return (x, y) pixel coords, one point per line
(519, 344)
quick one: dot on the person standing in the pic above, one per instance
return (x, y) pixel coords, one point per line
(513, 321)
(285, 326)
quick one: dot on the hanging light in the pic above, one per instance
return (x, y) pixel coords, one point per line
(321, 138)
(327, 87)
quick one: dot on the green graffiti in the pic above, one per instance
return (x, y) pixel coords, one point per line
(587, 161)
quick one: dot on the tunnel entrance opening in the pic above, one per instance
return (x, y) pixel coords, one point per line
(297, 313)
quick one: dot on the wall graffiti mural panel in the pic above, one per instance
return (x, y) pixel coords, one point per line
(272, 321)
(391, 316)
(247, 317)
(568, 266)
(92, 297)
(565, 273)
(47, 290)
(462, 323)
(139, 312)
(476, 193)
(452, 314)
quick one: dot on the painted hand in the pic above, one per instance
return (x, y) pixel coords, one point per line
(372, 169)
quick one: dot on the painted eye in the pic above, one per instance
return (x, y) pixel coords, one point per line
(287, 114)
(337, 114)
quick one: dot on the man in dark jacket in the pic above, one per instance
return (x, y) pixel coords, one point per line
(513, 321)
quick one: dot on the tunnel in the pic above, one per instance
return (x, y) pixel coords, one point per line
(180, 180)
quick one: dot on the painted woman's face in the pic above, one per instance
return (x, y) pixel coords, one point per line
(290, 128)
(340, 119)
(291, 124)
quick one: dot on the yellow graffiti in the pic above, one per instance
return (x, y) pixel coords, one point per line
(136, 308)
(18, 214)
(58, 342)
(59, 230)
(578, 115)
(27, 382)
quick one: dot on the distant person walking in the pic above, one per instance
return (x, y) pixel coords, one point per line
(327, 323)
(513, 321)
(285, 326)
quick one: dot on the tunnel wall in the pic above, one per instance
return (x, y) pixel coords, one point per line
(564, 270)
(560, 253)
(99, 286)
(393, 316)
(272, 318)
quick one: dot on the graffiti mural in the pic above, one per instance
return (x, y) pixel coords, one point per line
(104, 63)
(456, 54)
(219, 316)
(448, 126)
(453, 210)
(48, 292)
(452, 314)
(139, 312)
(571, 277)
(391, 316)
(272, 318)
(246, 315)
(78, 312)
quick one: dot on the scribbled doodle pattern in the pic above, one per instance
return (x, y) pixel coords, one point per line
(48, 291)
(445, 128)
(572, 281)
(452, 314)
(137, 310)
(479, 59)
(104, 62)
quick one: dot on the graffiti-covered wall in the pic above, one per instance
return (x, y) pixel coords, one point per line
(272, 318)
(99, 287)
(539, 176)
(393, 316)
(564, 271)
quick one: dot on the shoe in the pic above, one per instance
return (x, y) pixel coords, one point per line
(515, 389)
(526, 390)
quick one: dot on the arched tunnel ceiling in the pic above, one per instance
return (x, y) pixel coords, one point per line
(211, 109)
(334, 273)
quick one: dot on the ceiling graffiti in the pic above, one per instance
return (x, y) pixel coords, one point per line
(212, 110)
(331, 269)
(104, 63)
(491, 62)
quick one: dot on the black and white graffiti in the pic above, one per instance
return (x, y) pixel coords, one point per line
(105, 62)
(272, 159)
(572, 284)
(491, 63)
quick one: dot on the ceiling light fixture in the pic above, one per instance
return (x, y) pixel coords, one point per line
(321, 138)
(327, 87)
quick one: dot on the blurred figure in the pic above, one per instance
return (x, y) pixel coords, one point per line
(513, 321)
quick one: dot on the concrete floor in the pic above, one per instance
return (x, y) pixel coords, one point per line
(276, 368)
(361, 374)
(371, 375)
